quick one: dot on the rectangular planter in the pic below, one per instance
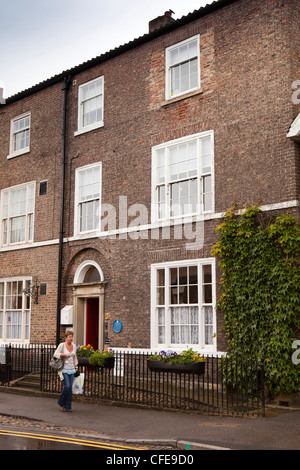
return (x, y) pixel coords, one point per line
(109, 362)
(191, 368)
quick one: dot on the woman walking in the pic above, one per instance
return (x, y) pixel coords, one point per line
(67, 352)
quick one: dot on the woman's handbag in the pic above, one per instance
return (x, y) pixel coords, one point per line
(56, 363)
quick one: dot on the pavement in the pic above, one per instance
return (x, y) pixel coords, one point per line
(279, 430)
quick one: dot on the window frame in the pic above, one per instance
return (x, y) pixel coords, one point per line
(169, 182)
(28, 214)
(78, 203)
(12, 152)
(169, 67)
(167, 305)
(81, 129)
(24, 311)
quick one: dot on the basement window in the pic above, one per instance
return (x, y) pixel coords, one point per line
(43, 288)
(43, 188)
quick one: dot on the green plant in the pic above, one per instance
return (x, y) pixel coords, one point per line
(97, 358)
(185, 357)
(259, 290)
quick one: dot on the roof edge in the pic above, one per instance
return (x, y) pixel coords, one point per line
(196, 14)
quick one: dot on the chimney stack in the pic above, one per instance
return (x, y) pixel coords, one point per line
(161, 21)
(2, 100)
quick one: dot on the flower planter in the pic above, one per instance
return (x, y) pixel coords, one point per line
(160, 366)
(83, 361)
(109, 362)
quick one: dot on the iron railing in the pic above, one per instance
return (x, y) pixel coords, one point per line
(19, 360)
(231, 386)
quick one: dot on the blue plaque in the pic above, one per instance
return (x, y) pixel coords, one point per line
(117, 326)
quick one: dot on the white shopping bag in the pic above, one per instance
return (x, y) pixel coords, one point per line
(78, 385)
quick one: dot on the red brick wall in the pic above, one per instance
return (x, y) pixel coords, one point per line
(249, 59)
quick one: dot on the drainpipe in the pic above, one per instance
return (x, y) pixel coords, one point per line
(64, 87)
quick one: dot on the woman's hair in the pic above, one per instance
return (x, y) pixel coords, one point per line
(69, 332)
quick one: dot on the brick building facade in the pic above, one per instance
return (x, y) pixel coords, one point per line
(115, 174)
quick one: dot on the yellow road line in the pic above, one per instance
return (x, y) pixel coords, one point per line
(69, 440)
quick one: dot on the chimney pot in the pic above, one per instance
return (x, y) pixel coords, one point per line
(2, 100)
(161, 21)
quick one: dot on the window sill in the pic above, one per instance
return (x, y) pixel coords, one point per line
(18, 153)
(16, 246)
(181, 97)
(83, 130)
(182, 219)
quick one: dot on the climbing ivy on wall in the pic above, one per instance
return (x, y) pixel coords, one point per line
(260, 291)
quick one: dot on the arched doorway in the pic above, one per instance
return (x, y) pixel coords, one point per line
(88, 294)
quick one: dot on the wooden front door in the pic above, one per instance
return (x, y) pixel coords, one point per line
(92, 322)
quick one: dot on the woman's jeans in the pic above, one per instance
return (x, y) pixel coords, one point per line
(65, 398)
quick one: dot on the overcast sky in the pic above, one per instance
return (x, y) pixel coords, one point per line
(41, 38)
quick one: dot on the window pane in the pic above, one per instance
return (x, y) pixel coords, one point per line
(184, 325)
(207, 193)
(192, 48)
(161, 325)
(174, 56)
(27, 325)
(185, 337)
(173, 277)
(194, 334)
(1, 295)
(193, 274)
(27, 297)
(5, 203)
(207, 284)
(183, 276)
(89, 216)
(160, 158)
(17, 233)
(5, 232)
(207, 273)
(206, 146)
(183, 53)
(161, 202)
(183, 295)
(193, 294)
(161, 174)
(160, 300)
(174, 295)
(193, 73)
(184, 197)
(161, 277)
(13, 325)
(208, 325)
